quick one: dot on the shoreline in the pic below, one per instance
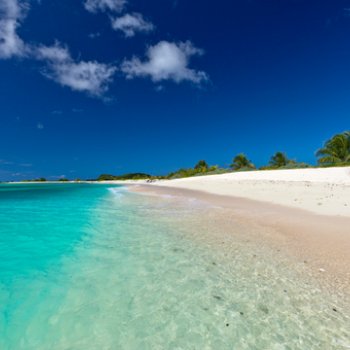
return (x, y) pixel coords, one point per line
(307, 211)
(320, 242)
(161, 261)
(322, 191)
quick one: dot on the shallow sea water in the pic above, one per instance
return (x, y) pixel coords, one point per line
(97, 267)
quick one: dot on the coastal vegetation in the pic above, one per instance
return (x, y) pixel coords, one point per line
(201, 168)
(279, 160)
(241, 162)
(130, 176)
(335, 152)
(40, 179)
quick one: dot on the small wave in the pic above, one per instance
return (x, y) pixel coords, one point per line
(168, 196)
(118, 191)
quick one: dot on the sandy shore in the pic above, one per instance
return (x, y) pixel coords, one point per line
(322, 191)
(304, 213)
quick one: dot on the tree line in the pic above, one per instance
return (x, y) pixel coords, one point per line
(335, 152)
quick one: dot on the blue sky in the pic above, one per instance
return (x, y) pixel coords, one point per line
(116, 86)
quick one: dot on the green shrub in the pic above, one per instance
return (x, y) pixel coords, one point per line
(130, 176)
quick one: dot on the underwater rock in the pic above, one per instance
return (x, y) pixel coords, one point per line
(264, 309)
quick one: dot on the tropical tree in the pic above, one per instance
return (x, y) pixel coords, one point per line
(40, 179)
(279, 159)
(241, 161)
(202, 165)
(336, 150)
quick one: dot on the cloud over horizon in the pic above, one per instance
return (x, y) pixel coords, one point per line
(166, 61)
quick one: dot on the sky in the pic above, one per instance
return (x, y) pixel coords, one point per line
(118, 86)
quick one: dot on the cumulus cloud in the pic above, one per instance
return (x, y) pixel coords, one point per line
(166, 61)
(163, 61)
(11, 14)
(129, 24)
(54, 53)
(104, 5)
(86, 76)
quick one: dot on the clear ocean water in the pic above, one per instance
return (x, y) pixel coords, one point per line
(96, 267)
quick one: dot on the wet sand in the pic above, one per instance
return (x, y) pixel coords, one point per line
(320, 242)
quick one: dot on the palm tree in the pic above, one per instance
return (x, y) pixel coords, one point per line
(279, 159)
(202, 165)
(241, 161)
(336, 150)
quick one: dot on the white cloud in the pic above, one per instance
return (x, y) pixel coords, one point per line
(55, 53)
(104, 5)
(11, 14)
(40, 126)
(129, 24)
(166, 61)
(86, 76)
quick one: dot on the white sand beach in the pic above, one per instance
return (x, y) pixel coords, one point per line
(321, 190)
(302, 212)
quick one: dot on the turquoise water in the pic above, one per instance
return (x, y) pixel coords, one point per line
(96, 267)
